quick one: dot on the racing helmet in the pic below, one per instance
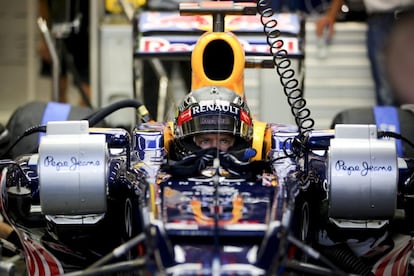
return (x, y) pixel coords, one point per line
(212, 109)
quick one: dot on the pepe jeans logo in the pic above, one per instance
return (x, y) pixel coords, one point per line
(363, 168)
(72, 164)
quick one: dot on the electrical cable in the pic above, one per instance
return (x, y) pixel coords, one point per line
(390, 134)
(284, 69)
(106, 111)
(27, 132)
(93, 119)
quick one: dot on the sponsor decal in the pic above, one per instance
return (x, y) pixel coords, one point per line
(216, 120)
(152, 21)
(215, 108)
(158, 44)
(244, 117)
(185, 116)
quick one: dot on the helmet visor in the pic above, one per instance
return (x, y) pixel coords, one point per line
(217, 123)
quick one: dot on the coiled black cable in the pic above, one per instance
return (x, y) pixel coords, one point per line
(283, 64)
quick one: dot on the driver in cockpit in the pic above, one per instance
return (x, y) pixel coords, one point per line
(212, 117)
(213, 122)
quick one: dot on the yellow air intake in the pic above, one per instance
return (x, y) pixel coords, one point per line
(218, 60)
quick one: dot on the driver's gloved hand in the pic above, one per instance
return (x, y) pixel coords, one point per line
(234, 162)
(244, 154)
(192, 164)
(237, 163)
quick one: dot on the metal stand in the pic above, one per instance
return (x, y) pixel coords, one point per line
(55, 44)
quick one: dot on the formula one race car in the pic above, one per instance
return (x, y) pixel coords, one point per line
(281, 199)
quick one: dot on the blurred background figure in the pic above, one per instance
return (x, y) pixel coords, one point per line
(399, 57)
(399, 69)
(68, 21)
(381, 16)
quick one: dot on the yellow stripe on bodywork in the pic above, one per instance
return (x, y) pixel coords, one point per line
(259, 129)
